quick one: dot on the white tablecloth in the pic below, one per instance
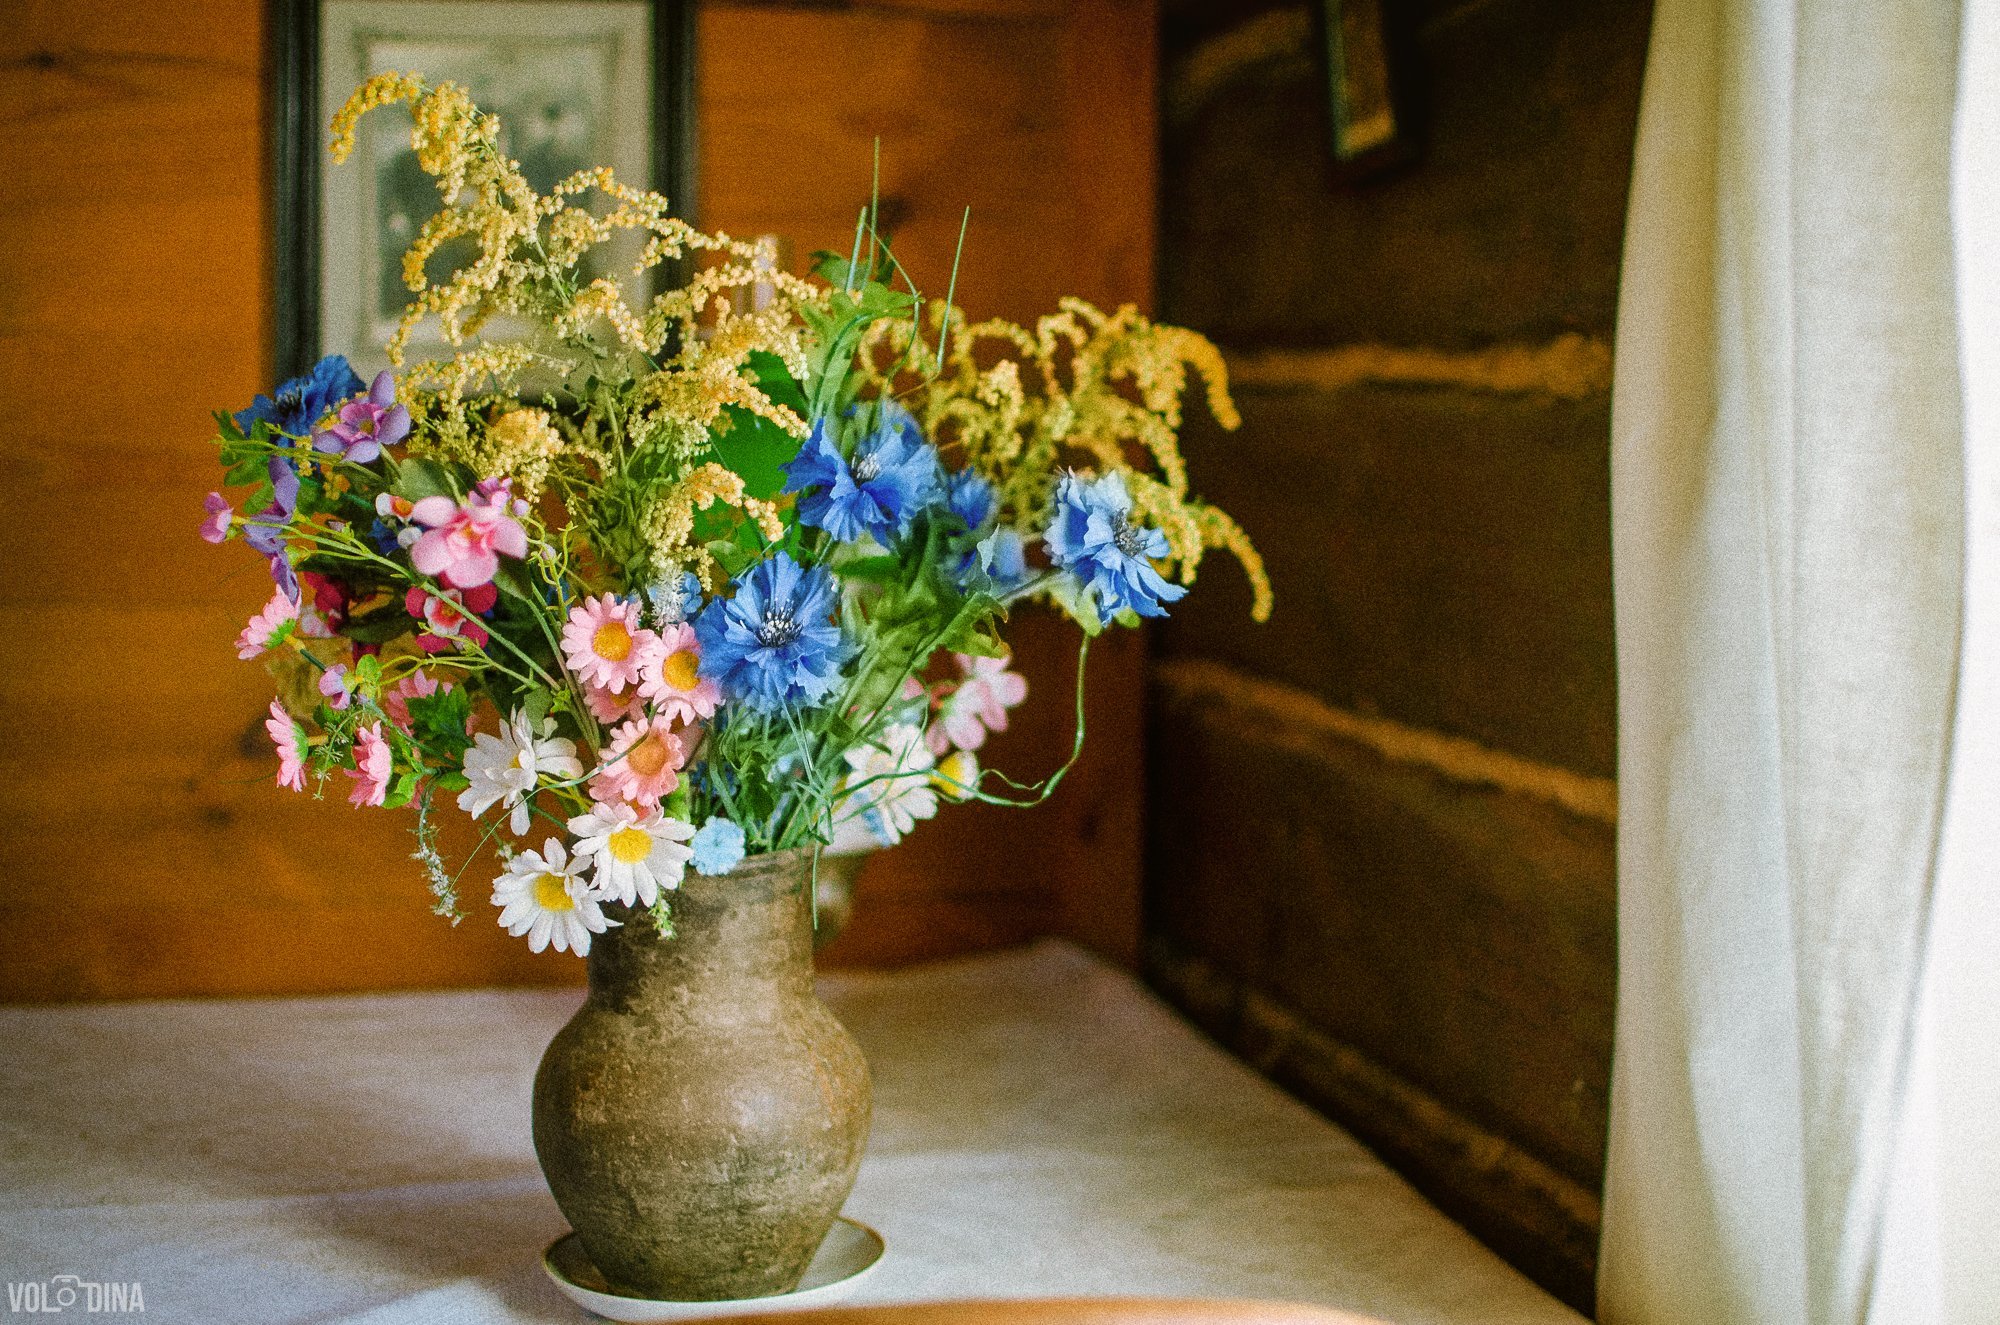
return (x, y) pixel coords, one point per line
(1043, 1126)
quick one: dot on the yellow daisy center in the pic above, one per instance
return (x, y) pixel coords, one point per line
(648, 757)
(552, 893)
(612, 642)
(629, 846)
(681, 670)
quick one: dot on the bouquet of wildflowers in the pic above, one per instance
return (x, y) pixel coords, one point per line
(654, 587)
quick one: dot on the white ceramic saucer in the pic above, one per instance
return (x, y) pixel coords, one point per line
(850, 1252)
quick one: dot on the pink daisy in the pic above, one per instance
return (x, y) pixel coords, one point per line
(609, 706)
(670, 676)
(603, 643)
(641, 765)
(978, 705)
(374, 765)
(417, 685)
(268, 627)
(290, 739)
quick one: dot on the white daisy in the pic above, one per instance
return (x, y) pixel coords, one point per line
(892, 789)
(637, 852)
(505, 769)
(543, 895)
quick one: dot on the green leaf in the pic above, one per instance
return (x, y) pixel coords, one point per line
(776, 381)
(404, 787)
(1071, 595)
(420, 477)
(440, 720)
(755, 448)
(876, 570)
(380, 627)
(733, 557)
(512, 578)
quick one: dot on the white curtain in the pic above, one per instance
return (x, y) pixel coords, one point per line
(1806, 514)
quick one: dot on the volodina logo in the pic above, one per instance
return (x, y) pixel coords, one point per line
(67, 1292)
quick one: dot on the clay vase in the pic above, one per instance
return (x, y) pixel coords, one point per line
(701, 1117)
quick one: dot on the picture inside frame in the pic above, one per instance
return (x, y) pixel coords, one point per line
(572, 83)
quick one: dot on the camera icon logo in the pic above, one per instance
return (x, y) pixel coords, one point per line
(62, 1290)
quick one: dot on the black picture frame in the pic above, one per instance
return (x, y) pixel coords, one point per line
(298, 157)
(1365, 52)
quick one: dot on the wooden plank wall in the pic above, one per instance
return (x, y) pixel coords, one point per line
(1381, 829)
(143, 851)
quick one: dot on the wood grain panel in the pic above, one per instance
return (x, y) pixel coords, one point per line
(144, 851)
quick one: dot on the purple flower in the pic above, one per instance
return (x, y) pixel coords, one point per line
(216, 527)
(1092, 535)
(366, 425)
(333, 684)
(264, 531)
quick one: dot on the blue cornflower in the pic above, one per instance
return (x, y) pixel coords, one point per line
(718, 846)
(892, 475)
(1092, 535)
(1003, 556)
(772, 644)
(971, 498)
(302, 402)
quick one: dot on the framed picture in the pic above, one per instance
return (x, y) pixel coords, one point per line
(577, 83)
(1364, 53)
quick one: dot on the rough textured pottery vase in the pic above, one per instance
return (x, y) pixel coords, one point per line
(701, 1117)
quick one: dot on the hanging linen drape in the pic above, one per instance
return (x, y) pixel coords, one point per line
(1804, 416)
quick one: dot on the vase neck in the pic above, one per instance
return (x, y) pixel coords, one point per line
(742, 942)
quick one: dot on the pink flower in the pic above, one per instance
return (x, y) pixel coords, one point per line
(417, 685)
(451, 615)
(603, 643)
(609, 706)
(670, 676)
(642, 764)
(216, 527)
(333, 683)
(374, 765)
(978, 705)
(462, 541)
(268, 627)
(291, 742)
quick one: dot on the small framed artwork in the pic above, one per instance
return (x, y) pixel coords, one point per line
(575, 82)
(1370, 101)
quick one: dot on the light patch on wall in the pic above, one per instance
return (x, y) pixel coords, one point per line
(1570, 367)
(1270, 706)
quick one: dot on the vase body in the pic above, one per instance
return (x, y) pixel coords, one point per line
(701, 1118)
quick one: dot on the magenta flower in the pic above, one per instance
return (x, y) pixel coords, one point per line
(367, 424)
(216, 527)
(461, 540)
(374, 765)
(450, 616)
